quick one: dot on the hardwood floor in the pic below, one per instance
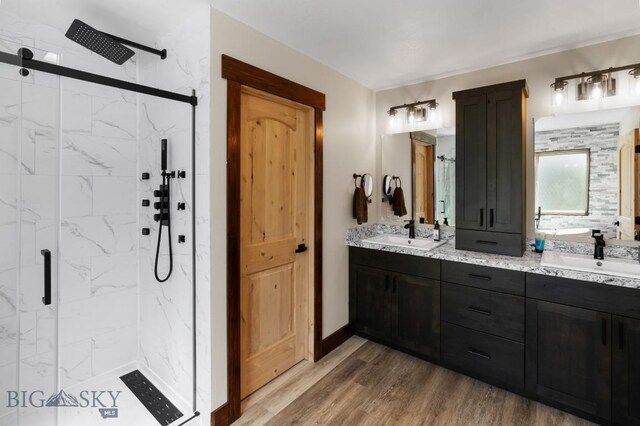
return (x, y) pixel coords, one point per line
(362, 382)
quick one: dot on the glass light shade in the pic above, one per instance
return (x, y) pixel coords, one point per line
(559, 93)
(597, 86)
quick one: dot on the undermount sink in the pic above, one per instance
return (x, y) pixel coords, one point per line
(405, 242)
(578, 262)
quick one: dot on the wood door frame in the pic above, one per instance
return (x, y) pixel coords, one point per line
(238, 74)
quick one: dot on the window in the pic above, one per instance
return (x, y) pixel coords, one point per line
(562, 182)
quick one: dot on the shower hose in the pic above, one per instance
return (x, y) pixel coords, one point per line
(165, 183)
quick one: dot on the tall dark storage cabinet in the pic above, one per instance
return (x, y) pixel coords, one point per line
(490, 168)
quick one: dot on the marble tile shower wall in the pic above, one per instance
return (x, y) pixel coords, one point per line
(165, 309)
(603, 185)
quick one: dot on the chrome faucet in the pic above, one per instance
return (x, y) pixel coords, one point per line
(411, 226)
(598, 251)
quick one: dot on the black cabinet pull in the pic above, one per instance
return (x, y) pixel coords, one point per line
(479, 310)
(491, 218)
(487, 243)
(395, 284)
(301, 248)
(46, 299)
(476, 352)
(621, 336)
(604, 331)
(481, 217)
(480, 277)
(386, 284)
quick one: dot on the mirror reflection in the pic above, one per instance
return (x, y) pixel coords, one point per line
(586, 174)
(425, 164)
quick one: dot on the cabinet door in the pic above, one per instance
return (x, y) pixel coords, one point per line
(416, 314)
(569, 357)
(370, 301)
(471, 162)
(505, 166)
(626, 371)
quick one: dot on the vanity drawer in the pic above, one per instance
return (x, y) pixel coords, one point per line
(490, 358)
(482, 310)
(490, 242)
(484, 277)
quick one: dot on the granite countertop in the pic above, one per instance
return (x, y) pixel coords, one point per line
(529, 262)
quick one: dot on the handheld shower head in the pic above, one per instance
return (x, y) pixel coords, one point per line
(98, 42)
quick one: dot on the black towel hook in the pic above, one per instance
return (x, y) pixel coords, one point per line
(355, 179)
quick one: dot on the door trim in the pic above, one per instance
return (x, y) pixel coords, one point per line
(240, 74)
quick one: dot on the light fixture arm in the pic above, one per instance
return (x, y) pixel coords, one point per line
(600, 72)
(431, 102)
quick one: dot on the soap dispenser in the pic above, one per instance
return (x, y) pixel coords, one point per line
(436, 231)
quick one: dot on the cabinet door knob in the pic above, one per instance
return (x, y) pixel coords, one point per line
(481, 217)
(604, 331)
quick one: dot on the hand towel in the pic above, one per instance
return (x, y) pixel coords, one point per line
(399, 209)
(360, 206)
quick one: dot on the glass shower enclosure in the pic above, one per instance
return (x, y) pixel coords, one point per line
(79, 304)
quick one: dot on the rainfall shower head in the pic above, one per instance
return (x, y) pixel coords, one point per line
(98, 42)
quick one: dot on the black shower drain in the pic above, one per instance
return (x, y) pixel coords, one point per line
(149, 395)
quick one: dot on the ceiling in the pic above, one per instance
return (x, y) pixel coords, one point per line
(138, 20)
(385, 44)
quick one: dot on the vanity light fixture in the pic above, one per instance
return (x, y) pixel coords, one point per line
(415, 112)
(594, 84)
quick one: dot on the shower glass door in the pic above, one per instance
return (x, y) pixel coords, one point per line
(29, 158)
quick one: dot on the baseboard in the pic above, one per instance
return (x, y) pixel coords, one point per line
(220, 417)
(335, 339)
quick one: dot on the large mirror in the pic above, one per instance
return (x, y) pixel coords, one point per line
(586, 174)
(423, 165)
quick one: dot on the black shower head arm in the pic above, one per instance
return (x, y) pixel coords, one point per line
(162, 53)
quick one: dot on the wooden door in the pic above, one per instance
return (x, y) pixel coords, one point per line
(568, 358)
(626, 371)
(505, 166)
(276, 136)
(424, 181)
(415, 314)
(628, 185)
(370, 301)
(471, 162)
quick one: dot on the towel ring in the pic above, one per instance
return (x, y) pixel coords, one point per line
(366, 183)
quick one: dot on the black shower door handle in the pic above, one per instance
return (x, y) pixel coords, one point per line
(46, 299)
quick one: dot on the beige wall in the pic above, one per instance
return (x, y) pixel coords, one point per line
(349, 146)
(539, 72)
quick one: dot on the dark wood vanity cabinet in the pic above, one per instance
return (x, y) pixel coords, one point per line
(569, 357)
(490, 150)
(583, 348)
(483, 321)
(392, 307)
(571, 344)
(626, 371)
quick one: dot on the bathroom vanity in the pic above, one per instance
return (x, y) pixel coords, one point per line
(566, 338)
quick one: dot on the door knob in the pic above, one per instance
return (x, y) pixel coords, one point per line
(301, 248)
